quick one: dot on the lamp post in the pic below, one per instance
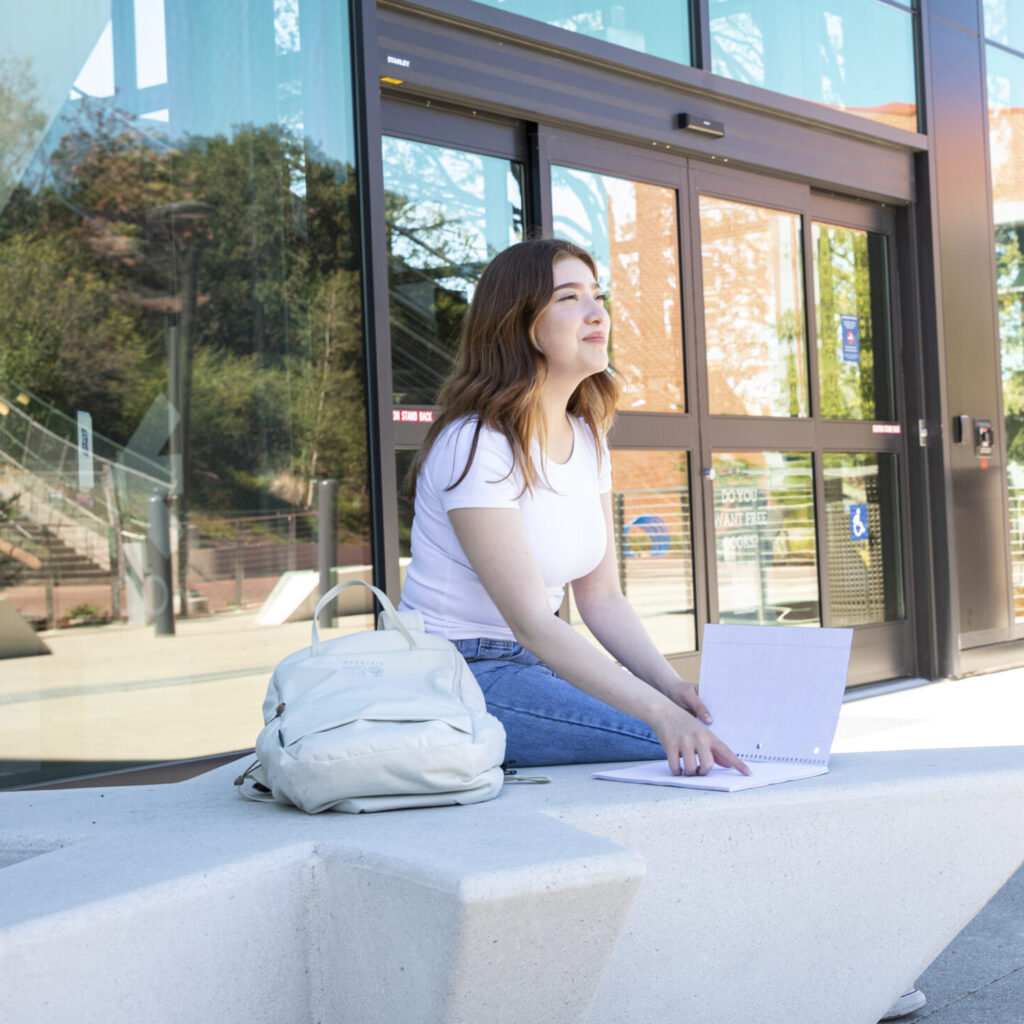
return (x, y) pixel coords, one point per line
(182, 224)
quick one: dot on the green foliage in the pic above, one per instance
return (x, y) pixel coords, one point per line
(1010, 282)
(239, 409)
(327, 396)
(65, 334)
(788, 329)
(22, 123)
(85, 615)
(843, 282)
(96, 266)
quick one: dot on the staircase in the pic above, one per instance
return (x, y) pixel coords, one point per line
(61, 562)
(71, 533)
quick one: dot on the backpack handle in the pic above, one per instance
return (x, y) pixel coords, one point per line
(393, 617)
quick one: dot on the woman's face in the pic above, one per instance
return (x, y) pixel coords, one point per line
(572, 329)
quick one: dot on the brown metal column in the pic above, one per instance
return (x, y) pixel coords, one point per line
(965, 325)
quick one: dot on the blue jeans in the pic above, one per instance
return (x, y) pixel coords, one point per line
(546, 719)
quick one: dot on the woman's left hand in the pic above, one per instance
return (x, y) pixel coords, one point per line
(686, 696)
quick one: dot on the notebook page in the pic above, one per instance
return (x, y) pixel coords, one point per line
(775, 691)
(656, 773)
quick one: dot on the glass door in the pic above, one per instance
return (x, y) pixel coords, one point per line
(632, 228)
(630, 210)
(455, 196)
(801, 432)
(757, 459)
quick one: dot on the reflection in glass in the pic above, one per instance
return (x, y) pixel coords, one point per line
(753, 310)
(180, 277)
(1004, 22)
(654, 543)
(765, 546)
(631, 230)
(403, 460)
(151, 43)
(852, 307)
(862, 520)
(1006, 147)
(658, 27)
(855, 55)
(449, 212)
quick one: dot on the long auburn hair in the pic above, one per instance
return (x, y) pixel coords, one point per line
(499, 371)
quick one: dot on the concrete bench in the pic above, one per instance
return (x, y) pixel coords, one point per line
(580, 901)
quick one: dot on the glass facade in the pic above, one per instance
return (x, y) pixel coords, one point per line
(180, 331)
(756, 348)
(658, 27)
(632, 231)
(829, 51)
(851, 292)
(449, 212)
(1006, 150)
(1004, 23)
(862, 524)
(765, 545)
(654, 544)
(183, 353)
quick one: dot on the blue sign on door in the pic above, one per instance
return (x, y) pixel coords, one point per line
(858, 522)
(849, 333)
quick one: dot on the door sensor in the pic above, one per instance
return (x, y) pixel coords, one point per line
(700, 125)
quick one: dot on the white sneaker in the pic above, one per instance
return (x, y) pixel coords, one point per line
(911, 1000)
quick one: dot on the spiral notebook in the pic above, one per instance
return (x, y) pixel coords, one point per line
(775, 693)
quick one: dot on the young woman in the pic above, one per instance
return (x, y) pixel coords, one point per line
(513, 501)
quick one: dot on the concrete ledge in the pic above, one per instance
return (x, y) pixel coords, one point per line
(186, 903)
(808, 902)
(799, 903)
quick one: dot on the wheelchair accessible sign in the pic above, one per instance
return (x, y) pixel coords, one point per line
(849, 334)
(858, 522)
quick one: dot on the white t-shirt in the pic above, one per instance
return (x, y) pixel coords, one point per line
(564, 523)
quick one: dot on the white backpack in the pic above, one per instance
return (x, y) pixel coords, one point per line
(376, 721)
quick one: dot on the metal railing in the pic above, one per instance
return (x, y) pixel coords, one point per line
(39, 446)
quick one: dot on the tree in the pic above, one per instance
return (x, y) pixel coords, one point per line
(1010, 283)
(91, 268)
(22, 123)
(844, 286)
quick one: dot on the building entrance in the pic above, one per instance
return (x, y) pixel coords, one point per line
(758, 456)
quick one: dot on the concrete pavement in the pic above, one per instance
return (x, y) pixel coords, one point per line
(979, 978)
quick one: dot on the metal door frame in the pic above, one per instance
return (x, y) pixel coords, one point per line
(882, 650)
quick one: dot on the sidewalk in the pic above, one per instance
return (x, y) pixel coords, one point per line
(979, 978)
(201, 691)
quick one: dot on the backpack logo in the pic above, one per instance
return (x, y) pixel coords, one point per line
(363, 667)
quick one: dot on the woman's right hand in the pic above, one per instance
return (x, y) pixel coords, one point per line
(686, 739)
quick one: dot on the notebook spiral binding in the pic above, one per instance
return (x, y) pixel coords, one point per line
(766, 759)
